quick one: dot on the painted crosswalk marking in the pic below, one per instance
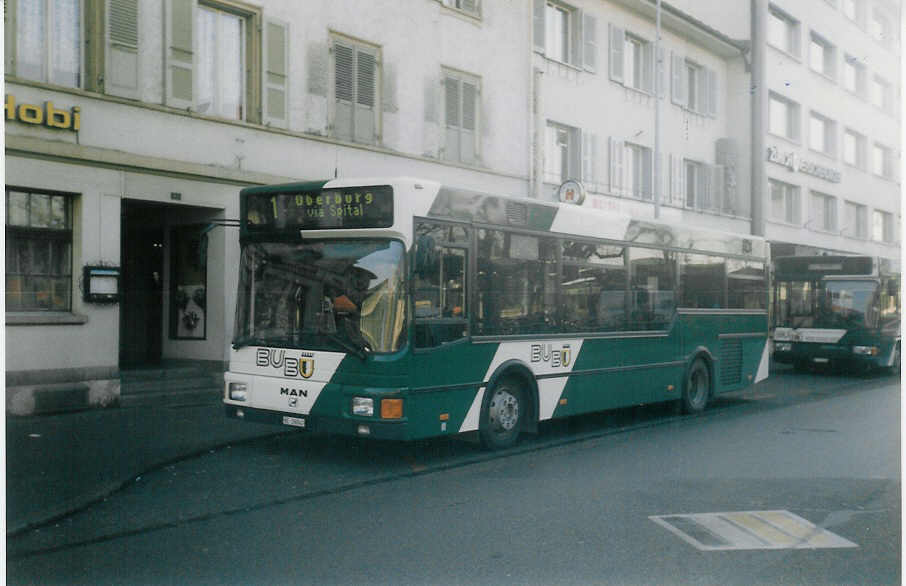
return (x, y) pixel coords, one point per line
(749, 530)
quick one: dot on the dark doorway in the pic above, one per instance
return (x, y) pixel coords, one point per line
(141, 309)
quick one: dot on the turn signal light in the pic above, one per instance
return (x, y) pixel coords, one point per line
(391, 408)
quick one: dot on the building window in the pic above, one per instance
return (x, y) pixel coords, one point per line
(48, 41)
(880, 28)
(880, 93)
(854, 149)
(639, 64)
(882, 161)
(698, 186)
(785, 202)
(822, 134)
(356, 85)
(822, 56)
(854, 76)
(783, 32)
(461, 114)
(856, 220)
(561, 154)
(638, 171)
(882, 226)
(471, 7)
(783, 117)
(565, 34)
(38, 251)
(824, 212)
(220, 64)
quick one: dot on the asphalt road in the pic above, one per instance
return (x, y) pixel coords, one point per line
(573, 505)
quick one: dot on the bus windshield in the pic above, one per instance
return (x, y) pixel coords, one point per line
(825, 304)
(342, 295)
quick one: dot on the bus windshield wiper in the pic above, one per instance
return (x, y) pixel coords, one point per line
(346, 344)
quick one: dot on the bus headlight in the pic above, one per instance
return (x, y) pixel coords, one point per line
(783, 347)
(363, 406)
(866, 350)
(238, 391)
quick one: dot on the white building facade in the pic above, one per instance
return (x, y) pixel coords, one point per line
(832, 128)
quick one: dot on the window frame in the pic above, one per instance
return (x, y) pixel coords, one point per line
(859, 149)
(247, 22)
(791, 31)
(792, 123)
(573, 146)
(828, 57)
(887, 235)
(886, 170)
(828, 132)
(826, 212)
(860, 75)
(14, 35)
(792, 202)
(357, 46)
(462, 78)
(856, 225)
(459, 6)
(31, 233)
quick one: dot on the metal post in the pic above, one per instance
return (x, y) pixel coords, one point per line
(759, 14)
(657, 114)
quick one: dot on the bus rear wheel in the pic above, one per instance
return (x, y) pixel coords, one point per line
(696, 387)
(502, 415)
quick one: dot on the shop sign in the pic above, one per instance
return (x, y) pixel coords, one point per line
(791, 161)
(46, 115)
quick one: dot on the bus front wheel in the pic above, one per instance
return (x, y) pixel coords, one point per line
(502, 416)
(696, 387)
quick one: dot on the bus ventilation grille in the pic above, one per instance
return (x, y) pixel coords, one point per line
(730, 362)
(516, 213)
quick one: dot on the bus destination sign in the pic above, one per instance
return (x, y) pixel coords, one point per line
(330, 209)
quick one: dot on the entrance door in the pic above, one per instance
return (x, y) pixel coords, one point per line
(141, 309)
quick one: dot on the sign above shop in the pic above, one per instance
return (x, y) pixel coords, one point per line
(46, 115)
(793, 162)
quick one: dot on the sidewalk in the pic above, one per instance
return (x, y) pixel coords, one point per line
(56, 464)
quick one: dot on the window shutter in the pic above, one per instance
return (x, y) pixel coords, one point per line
(366, 96)
(539, 7)
(617, 40)
(678, 81)
(590, 36)
(343, 90)
(121, 77)
(712, 92)
(180, 53)
(702, 186)
(589, 154)
(275, 81)
(647, 190)
(575, 154)
(616, 166)
(701, 89)
(469, 121)
(648, 67)
(452, 118)
(9, 32)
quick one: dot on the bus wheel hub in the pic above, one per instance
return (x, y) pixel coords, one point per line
(504, 410)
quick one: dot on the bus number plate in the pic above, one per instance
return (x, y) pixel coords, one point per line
(294, 421)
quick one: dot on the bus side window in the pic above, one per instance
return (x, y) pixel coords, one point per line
(653, 286)
(439, 284)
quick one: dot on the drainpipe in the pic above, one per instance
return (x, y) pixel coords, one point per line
(759, 90)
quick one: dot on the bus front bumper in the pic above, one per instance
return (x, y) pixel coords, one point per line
(847, 357)
(372, 428)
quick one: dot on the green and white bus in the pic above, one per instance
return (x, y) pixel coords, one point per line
(837, 311)
(402, 309)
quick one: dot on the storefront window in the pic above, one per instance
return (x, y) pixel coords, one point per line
(38, 251)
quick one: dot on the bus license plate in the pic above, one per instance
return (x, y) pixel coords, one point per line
(294, 421)
(821, 360)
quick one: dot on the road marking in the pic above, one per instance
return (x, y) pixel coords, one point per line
(749, 530)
